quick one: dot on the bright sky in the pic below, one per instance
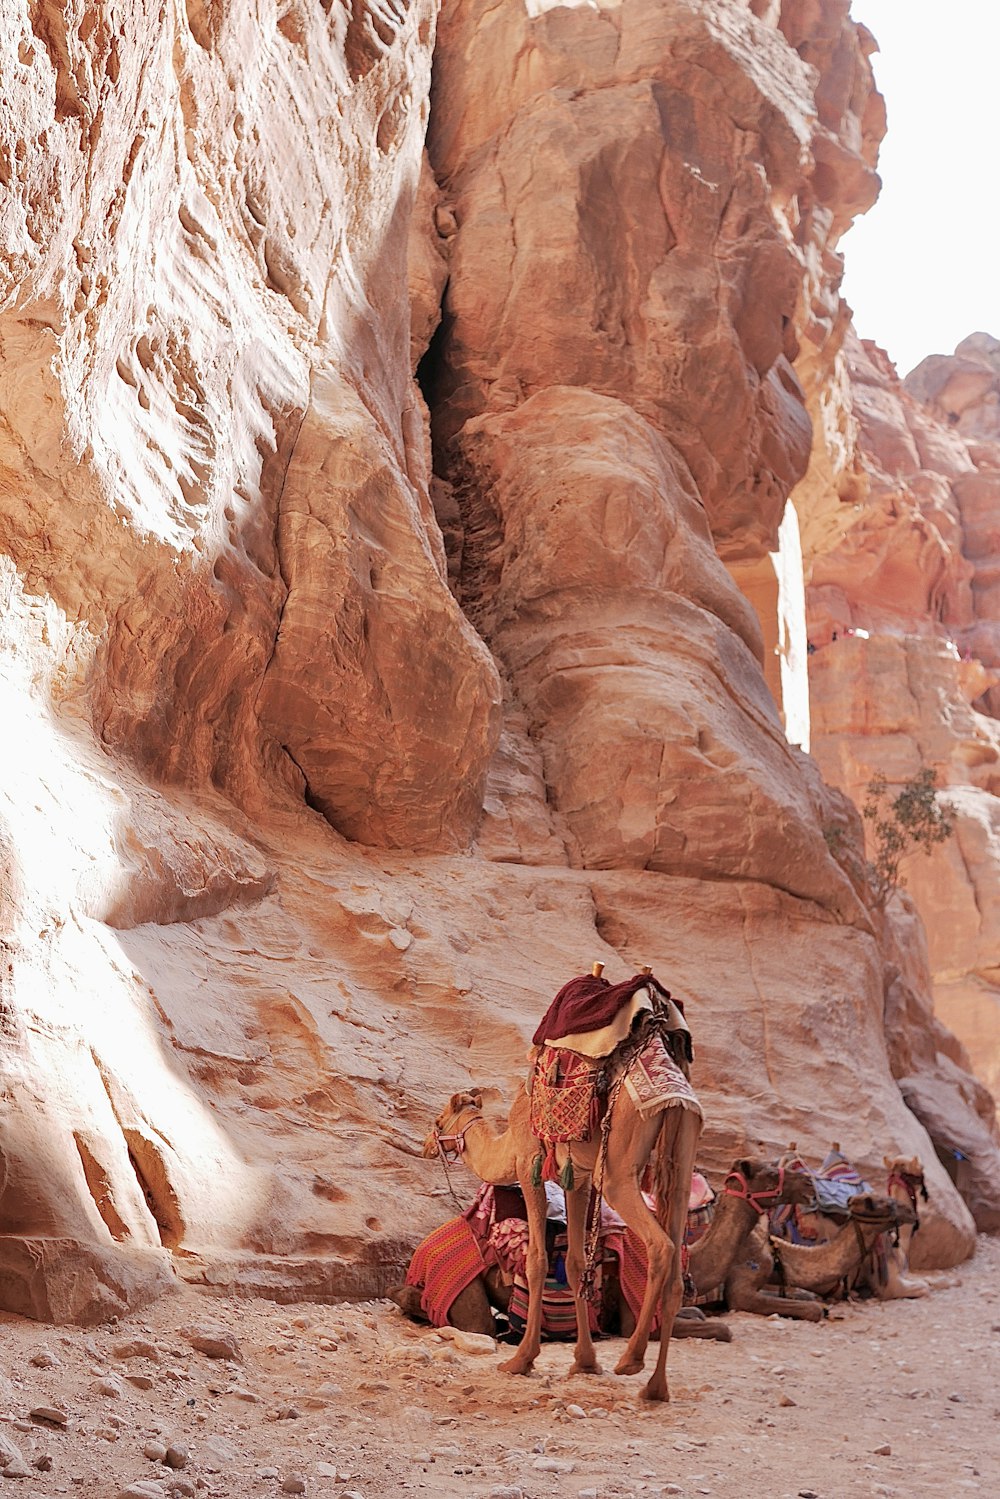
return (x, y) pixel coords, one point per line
(923, 266)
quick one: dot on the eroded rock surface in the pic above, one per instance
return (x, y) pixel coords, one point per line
(347, 715)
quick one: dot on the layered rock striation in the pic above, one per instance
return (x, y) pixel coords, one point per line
(348, 713)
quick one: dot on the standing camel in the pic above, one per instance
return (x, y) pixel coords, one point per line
(670, 1138)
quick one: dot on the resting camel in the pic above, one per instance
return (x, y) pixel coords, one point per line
(751, 1188)
(670, 1138)
(818, 1269)
(905, 1183)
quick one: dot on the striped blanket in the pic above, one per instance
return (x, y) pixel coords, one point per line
(447, 1261)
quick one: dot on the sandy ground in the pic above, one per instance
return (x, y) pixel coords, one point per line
(894, 1399)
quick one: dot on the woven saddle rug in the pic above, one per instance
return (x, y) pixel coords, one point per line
(569, 1092)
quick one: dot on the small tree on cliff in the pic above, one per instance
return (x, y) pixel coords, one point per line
(913, 818)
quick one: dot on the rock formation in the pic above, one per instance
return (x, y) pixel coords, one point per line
(347, 714)
(910, 563)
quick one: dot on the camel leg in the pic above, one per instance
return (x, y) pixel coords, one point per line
(528, 1348)
(470, 1311)
(744, 1294)
(585, 1359)
(625, 1197)
(676, 1148)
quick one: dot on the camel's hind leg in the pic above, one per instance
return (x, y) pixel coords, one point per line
(530, 1344)
(676, 1148)
(625, 1197)
(585, 1359)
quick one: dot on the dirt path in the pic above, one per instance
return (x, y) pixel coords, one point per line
(353, 1400)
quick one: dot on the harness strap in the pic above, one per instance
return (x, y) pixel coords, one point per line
(756, 1199)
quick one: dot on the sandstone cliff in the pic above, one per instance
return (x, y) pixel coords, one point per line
(907, 555)
(348, 714)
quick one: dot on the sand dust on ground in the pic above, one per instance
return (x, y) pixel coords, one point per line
(352, 1400)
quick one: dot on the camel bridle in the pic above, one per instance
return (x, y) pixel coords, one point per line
(451, 1147)
(757, 1200)
(911, 1182)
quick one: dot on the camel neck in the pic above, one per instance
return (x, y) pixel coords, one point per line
(712, 1256)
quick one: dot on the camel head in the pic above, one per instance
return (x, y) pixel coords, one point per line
(880, 1212)
(764, 1184)
(448, 1122)
(911, 1164)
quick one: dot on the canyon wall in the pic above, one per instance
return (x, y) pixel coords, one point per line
(903, 612)
(349, 713)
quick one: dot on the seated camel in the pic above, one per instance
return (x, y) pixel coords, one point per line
(884, 1273)
(794, 1269)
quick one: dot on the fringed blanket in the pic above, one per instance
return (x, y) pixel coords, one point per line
(447, 1261)
(655, 1082)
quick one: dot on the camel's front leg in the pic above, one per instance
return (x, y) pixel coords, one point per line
(537, 1264)
(585, 1359)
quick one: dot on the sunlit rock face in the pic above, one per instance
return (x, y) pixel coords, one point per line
(913, 571)
(330, 754)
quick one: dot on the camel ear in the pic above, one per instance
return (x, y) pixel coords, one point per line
(887, 1160)
(744, 1167)
(490, 1095)
(476, 1094)
(456, 1103)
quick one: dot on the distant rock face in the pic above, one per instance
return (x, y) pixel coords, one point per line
(347, 714)
(913, 571)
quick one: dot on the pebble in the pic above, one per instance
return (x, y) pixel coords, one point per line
(17, 1468)
(45, 1359)
(671, 1488)
(293, 1484)
(51, 1413)
(506, 1491)
(141, 1381)
(786, 1401)
(155, 1451)
(139, 1491)
(884, 1451)
(138, 1348)
(267, 1473)
(177, 1455)
(554, 1465)
(577, 1412)
(288, 1413)
(214, 1342)
(181, 1488)
(44, 1462)
(110, 1385)
(217, 1453)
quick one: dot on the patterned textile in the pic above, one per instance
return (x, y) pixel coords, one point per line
(835, 1182)
(655, 1082)
(447, 1261)
(558, 1309)
(565, 1105)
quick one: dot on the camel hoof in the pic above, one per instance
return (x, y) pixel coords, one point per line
(516, 1366)
(655, 1390)
(628, 1365)
(593, 1367)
